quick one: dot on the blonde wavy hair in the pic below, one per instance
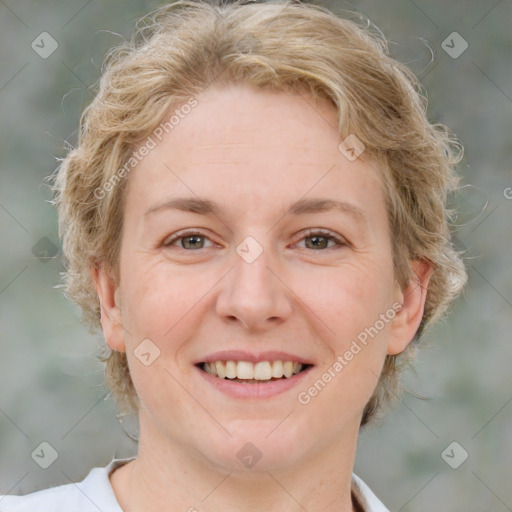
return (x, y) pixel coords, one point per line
(177, 52)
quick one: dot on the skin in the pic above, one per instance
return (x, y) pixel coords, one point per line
(255, 153)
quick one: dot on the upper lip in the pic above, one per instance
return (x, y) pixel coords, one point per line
(241, 355)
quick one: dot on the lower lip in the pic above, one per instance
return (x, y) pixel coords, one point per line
(266, 389)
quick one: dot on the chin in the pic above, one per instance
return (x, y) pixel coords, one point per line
(255, 447)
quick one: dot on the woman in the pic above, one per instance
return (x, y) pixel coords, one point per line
(255, 215)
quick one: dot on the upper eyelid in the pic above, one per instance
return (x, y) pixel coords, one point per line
(177, 236)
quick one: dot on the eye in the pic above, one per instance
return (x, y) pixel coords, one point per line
(190, 240)
(320, 239)
(193, 240)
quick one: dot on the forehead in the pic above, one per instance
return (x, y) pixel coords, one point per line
(253, 149)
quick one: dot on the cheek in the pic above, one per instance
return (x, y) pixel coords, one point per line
(359, 313)
(348, 298)
(364, 315)
(153, 300)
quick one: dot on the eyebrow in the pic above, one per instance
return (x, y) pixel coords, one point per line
(301, 207)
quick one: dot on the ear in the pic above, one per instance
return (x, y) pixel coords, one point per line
(408, 319)
(108, 294)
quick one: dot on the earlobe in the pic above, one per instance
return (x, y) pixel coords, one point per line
(111, 317)
(408, 319)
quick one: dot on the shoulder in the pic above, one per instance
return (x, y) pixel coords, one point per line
(90, 495)
(365, 496)
(54, 499)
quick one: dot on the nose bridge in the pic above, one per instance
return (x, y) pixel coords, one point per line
(251, 264)
(252, 293)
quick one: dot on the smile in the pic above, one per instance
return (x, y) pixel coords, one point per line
(255, 380)
(253, 373)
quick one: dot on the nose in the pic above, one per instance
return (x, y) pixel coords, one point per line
(254, 294)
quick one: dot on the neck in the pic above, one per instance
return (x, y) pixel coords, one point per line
(177, 479)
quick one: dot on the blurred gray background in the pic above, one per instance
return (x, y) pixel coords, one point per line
(52, 389)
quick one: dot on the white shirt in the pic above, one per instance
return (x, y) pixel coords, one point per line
(95, 493)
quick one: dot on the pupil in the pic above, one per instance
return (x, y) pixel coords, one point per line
(188, 238)
(316, 238)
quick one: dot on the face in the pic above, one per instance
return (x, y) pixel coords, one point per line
(250, 238)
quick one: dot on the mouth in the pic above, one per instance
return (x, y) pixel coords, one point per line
(247, 372)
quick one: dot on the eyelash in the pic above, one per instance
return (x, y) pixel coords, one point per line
(310, 233)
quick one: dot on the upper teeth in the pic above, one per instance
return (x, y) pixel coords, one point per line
(264, 370)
